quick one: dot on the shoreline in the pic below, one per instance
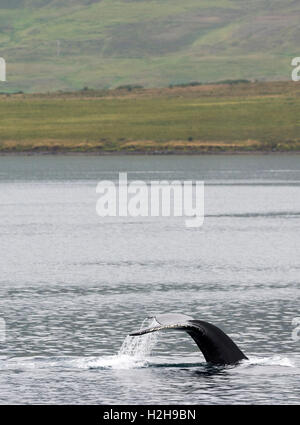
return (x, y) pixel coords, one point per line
(147, 153)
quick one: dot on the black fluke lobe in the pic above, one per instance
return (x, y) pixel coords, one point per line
(216, 347)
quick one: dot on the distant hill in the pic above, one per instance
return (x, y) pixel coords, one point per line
(69, 44)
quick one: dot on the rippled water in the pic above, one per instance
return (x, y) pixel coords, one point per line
(73, 285)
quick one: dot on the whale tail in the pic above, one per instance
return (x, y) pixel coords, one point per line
(216, 346)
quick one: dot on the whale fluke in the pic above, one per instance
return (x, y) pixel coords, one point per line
(216, 346)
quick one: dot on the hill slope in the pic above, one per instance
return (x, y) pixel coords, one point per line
(68, 44)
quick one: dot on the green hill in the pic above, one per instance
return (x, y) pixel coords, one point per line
(68, 44)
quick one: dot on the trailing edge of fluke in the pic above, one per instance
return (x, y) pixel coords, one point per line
(215, 345)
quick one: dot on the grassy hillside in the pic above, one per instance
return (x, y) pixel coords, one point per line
(241, 117)
(68, 44)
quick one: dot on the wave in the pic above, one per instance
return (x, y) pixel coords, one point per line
(276, 360)
(127, 362)
(289, 214)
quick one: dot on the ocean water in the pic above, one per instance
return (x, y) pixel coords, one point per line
(73, 285)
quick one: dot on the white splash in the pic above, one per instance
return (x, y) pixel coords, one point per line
(134, 352)
(140, 347)
(270, 361)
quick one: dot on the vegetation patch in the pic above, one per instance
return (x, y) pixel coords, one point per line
(214, 118)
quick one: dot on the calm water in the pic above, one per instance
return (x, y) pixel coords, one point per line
(73, 285)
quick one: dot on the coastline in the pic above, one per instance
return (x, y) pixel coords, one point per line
(146, 153)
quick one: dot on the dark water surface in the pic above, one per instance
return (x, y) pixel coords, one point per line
(73, 285)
